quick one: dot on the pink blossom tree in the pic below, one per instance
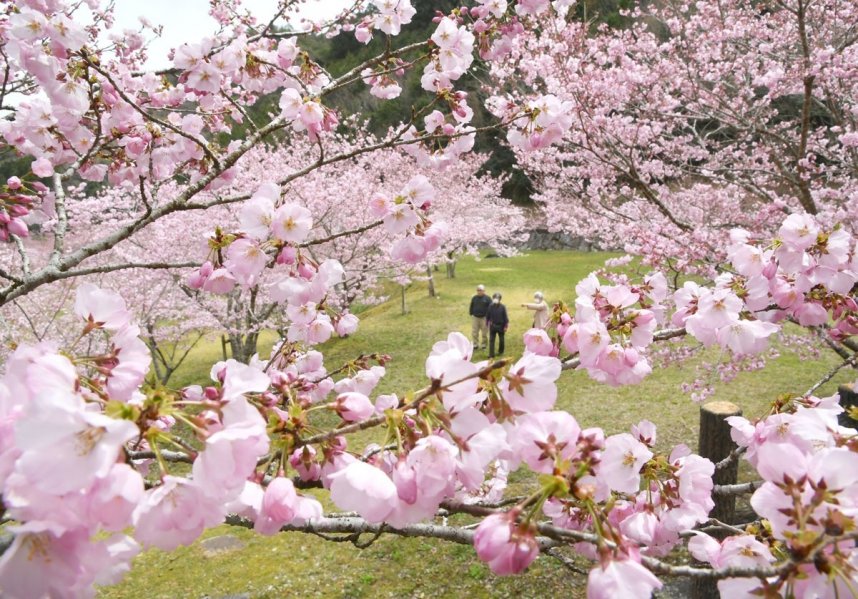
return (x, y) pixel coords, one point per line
(88, 451)
(694, 119)
(173, 317)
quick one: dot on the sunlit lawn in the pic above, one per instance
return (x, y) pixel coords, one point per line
(301, 565)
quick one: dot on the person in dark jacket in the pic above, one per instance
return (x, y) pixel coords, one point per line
(479, 307)
(498, 322)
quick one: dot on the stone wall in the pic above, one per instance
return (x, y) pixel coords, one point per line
(542, 239)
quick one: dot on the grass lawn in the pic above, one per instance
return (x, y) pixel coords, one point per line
(294, 564)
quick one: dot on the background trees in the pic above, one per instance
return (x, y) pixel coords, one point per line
(695, 118)
(667, 133)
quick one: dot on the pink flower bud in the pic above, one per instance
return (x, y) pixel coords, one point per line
(305, 271)
(353, 407)
(287, 255)
(18, 227)
(507, 547)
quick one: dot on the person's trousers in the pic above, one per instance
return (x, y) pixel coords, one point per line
(479, 328)
(492, 334)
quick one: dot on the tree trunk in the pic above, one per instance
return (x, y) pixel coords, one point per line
(431, 281)
(402, 289)
(451, 265)
(243, 346)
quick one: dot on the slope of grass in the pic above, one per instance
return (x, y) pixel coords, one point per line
(300, 565)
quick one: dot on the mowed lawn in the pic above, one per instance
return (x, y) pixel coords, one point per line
(298, 565)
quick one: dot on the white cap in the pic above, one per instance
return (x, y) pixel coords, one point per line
(481, 287)
(538, 295)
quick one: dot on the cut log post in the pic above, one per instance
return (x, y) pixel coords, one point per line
(848, 399)
(716, 444)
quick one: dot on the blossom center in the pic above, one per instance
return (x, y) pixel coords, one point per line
(38, 547)
(629, 459)
(87, 439)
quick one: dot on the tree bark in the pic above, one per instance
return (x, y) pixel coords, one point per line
(451, 266)
(431, 281)
(716, 444)
(243, 346)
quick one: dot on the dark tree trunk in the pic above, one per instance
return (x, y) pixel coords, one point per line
(243, 347)
(431, 281)
(451, 266)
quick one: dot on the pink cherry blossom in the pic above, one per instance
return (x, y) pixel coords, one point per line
(231, 453)
(529, 385)
(175, 513)
(291, 223)
(353, 407)
(65, 448)
(101, 308)
(621, 578)
(622, 460)
(508, 548)
(365, 489)
(278, 506)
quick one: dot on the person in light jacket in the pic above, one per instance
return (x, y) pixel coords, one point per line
(540, 318)
(498, 324)
(479, 306)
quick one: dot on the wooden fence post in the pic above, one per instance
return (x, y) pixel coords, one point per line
(716, 444)
(848, 399)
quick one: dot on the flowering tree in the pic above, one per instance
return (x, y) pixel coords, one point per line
(88, 453)
(694, 120)
(697, 118)
(470, 205)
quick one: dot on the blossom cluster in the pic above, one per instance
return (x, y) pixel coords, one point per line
(453, 441)
(809, 469)
(806, 274)
(87, 448)
(14, 208)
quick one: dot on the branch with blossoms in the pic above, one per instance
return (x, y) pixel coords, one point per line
(611, 498)
(88, 452)
(137, 146)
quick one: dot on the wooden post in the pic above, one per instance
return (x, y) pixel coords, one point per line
(716, 444)
(848, 399)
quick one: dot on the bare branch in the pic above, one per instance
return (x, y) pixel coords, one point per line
(853, 361)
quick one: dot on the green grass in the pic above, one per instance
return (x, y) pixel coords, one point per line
(301, 565)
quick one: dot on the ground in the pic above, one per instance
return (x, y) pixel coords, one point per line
(239, 563)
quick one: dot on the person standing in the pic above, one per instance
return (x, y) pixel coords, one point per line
(540, 319)
(479, 308)
(498, 324)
